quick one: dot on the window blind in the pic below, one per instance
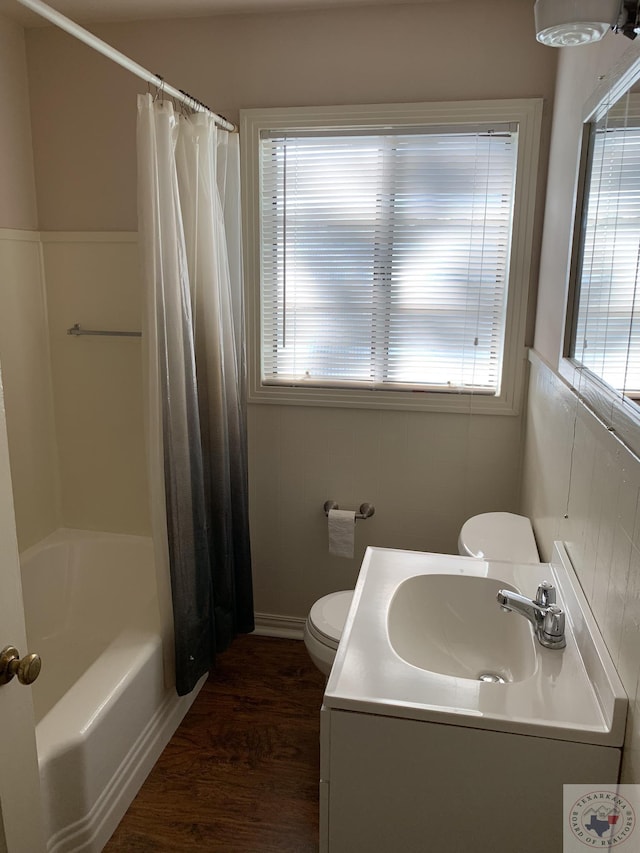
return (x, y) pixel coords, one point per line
(607, 332)
(385, 258)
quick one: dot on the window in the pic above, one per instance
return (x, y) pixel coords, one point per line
(391, 254)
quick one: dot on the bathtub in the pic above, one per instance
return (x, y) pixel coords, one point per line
(103, 714)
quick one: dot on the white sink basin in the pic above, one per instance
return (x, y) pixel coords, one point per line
(423, 628)
(452, 624)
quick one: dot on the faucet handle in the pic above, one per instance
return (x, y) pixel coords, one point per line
(546, 594)
(553, 626)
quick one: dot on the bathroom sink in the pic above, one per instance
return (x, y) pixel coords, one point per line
(425, 639)
(451, 624)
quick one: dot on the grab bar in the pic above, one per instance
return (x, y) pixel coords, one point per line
(76, 330)
(366, 510)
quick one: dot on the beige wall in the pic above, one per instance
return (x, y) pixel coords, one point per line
(425, 473)
(580, 483)
(24, 345)
(17, 198)
(83, 106)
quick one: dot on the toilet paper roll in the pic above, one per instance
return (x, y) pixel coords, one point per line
(342, 527)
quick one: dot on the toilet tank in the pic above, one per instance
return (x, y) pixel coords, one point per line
(499, 536)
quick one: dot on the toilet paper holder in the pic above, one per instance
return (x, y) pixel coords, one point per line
(365, 511)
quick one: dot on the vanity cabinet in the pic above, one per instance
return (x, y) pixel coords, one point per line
(419, 753)
(391, 785)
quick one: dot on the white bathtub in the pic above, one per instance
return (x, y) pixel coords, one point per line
(103, 715)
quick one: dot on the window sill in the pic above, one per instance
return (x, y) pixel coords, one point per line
(427, 401)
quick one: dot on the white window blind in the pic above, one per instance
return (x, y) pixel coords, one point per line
(385, 257)
(607, 331)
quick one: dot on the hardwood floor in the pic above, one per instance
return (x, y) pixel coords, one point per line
(241, 773)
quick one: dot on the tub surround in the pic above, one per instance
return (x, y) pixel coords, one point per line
(74, 405)
(26, 378)
(93, 279)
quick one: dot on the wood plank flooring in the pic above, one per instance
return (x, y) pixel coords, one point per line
(241, 773)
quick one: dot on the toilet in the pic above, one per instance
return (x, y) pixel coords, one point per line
(490, 536)
(498, 536)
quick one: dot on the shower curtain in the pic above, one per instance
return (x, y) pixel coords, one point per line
(189, 231)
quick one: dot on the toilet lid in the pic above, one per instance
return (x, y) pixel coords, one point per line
(499, 536)
(329, 614)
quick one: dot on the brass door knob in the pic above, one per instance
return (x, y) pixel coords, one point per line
(27, 669)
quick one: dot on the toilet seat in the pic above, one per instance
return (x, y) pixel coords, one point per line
(327, 617)
(499, 536)
(323, 628)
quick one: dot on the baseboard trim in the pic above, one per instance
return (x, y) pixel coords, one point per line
(287, 627)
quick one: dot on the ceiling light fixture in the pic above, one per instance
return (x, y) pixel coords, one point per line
(566, 23)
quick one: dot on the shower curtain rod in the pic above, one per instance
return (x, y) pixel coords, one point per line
(105, 49)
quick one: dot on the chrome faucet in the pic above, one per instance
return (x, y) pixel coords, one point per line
(544, 614)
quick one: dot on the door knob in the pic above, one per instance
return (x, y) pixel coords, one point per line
(27, 669)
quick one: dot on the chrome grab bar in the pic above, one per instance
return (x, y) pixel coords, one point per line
(76, 330)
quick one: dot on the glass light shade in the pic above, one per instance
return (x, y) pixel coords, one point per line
(566, 23)
(569, 35)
